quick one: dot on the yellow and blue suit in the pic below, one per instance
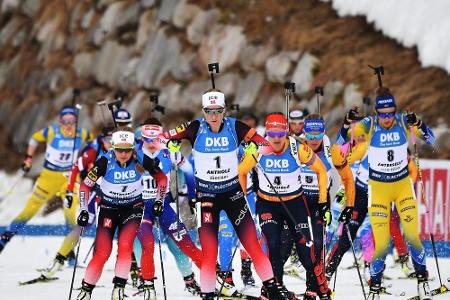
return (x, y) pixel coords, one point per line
(390, 181)
(52, 181)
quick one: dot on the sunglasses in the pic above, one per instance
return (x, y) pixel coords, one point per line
(67, 122)
(214, 111)
(123, 150)
(386, 115)
(274, 134)
(147, 139)
(107, 139)
(311, 136)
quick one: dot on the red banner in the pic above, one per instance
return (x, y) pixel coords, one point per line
(436, 184)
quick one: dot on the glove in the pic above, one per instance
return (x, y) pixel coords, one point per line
(174, 146)
(27, 162)
(192, 203)
(250, 148)
(68, 200)
(340, 197)
(352, 115)
(157, 208)
(325, 213)
(412, 119)
(346, 215)
(83, 218)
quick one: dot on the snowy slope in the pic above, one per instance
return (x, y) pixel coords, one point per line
(17, 263)
(420, 23)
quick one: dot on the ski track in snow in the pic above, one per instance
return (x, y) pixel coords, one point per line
(24, 255)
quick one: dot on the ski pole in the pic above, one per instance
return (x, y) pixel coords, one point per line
(13, 186)
(356, 260)
(213, 68)
(89, 252)
(161, 258)
(442, 287)
(76, 263)
(333, 293)
(228, 271)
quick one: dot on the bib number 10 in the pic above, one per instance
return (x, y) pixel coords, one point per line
(390, 155)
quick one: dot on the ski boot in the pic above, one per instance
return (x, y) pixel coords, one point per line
(56, 266)
(423, 290)
(5, 238)
(191, 285)
(208, 296)
(71, 258)
(406, 266)
(309, 295)
(134, 274)
(86, 291)
(325, 296)
(229, 288)
(374, 291)
(366, 272)
(246, 272)
(118, 292)
(274, 291)
(148, 288)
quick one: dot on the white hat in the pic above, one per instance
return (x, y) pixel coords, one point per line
(213, 98)
(151, 131)
(296, 115)
(123, 137)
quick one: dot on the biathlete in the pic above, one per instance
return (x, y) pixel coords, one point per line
(121, 207)
(63, 141)
(388, 132)
(281, 170)
(167, 217)
(332, 157)
(215, 140)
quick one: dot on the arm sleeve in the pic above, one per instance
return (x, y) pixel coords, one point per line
(247, 134)
(39, 136)
(88, 183)
(184, 131)
(188, 172)
(358, 152)
(247, 164)
(423, 131)
(151, 165)
(309, 158)
(82, 163)
(343, 168)
(343, 135)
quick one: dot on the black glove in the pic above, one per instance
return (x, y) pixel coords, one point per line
(352, 115)
(412, 119)
(192, 203)
(325, 213)
(346, 215)
(68, 200)
(83, 218)
(27, 162)
(157, 208)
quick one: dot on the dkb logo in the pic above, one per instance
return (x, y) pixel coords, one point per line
(390, 137)
(217, 142)
(130, 174)
(277, 163)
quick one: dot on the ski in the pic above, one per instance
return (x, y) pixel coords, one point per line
(41, 278)
(438, 291)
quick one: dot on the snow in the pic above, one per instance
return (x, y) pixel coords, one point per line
(420, 23)
(17, 263)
